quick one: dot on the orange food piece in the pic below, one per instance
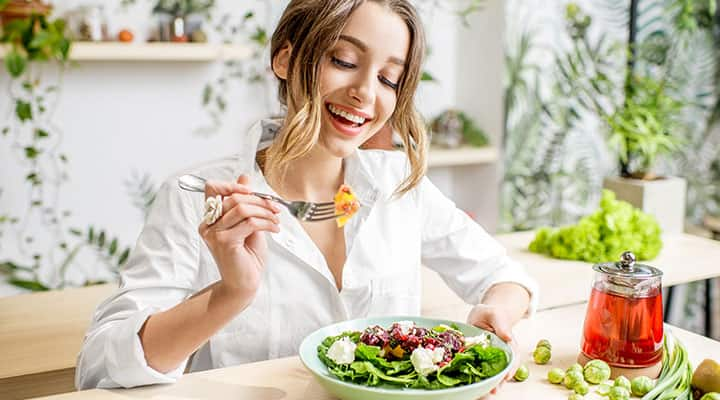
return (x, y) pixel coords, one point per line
(346, 204)
(125, 36)
(397, 351)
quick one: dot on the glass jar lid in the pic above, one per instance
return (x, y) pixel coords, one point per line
(628, 268)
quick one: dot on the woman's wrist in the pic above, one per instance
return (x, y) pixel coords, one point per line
(231, 297)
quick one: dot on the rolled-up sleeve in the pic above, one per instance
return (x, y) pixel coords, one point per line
(466, 257)
(159, 274)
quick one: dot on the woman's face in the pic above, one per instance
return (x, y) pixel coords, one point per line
(359, 77)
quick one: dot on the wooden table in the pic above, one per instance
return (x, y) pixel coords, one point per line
(684, 258)
(287, 379)
(40, 337)
(41, 333)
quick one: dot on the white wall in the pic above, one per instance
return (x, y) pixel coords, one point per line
(122, 117)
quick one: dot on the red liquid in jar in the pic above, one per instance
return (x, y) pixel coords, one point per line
(625, 332)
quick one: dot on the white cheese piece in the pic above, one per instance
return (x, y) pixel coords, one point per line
(342, 351)
(422, 360)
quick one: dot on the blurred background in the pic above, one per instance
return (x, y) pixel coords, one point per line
(532, 105)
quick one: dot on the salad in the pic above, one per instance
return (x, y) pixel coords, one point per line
(410, 356)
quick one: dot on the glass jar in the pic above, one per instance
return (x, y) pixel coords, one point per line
(624, 321)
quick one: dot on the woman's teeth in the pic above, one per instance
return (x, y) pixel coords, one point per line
(350, 117)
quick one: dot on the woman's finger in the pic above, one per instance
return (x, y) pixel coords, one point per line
(241, 212)
(252, 225)
(222, 188)
(237, 198)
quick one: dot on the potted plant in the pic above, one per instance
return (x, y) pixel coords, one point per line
(640, 116)
(174, 25)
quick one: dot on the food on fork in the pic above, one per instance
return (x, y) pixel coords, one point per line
(346, 204)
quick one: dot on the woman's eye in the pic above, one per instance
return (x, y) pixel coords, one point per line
(342, 63)
(388, 82)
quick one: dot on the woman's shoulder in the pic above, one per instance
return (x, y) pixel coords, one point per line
(386, 168)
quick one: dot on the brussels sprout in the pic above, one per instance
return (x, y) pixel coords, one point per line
(575, 396)
(556, 375)
(522, 373)
(711, 396)
(541, 355)
(619, 393)
(572, 378)
(581, 387)
(544, 343)
(603, 390)
(640, 385)
(575, 367)
(596, 371)
(622, 382)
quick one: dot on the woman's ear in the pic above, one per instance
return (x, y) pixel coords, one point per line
(281, 61)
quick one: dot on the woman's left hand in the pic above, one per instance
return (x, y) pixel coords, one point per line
(494, 319)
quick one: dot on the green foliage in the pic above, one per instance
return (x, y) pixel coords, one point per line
(602, 236)
(183, 7)
(643, 128)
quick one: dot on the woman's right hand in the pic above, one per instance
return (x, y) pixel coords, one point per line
(236, 239)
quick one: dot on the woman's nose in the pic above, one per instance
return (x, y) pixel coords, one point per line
(363, 89)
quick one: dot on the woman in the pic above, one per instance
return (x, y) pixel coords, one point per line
(252, 284)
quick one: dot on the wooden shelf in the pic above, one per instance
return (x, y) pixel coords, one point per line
(462, 156)
(159, 51)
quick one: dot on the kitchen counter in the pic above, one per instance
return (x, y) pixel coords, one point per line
(684, 258)
(287, 378)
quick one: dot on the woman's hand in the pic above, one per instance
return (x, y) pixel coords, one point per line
(495, 319)
(236, 239)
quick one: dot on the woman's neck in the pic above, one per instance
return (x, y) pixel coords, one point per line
(314, 177)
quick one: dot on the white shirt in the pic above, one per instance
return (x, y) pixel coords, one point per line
(386, 243)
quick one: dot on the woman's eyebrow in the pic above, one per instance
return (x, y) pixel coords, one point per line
(363, 47)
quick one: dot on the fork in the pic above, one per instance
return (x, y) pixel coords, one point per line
(302, 210)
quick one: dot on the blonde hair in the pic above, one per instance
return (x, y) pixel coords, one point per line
(312, 27)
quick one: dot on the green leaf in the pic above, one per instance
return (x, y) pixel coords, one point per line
(101, 239)
(113, 247)
(3, 4)
(123, 257)
(91, 235)
(31, 285)
(40, 133)
(75, 232)
(23, 110)
(5, 130)
(427, 77)
(15, 63)
(31, 152)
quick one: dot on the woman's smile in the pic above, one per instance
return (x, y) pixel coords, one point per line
(347, 121)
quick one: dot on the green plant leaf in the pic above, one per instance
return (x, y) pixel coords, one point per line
(15, 63)
(91, 235)
(113, 247)
(40, 133)
(427, 77)
(123, 257)
(101, 239)
(31, 285)
(3, 4)
(23, 110)
(31, 152)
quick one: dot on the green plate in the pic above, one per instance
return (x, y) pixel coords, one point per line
(352, 391)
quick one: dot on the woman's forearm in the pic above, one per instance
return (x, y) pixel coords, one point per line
(514, 299)
(171, 336)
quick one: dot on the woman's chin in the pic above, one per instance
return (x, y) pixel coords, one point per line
(340, 148)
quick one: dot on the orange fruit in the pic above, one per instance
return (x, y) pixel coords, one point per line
(125, 36)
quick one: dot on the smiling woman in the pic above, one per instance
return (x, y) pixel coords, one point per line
(257, 280)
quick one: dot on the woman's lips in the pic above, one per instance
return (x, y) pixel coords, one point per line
(343, 125)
